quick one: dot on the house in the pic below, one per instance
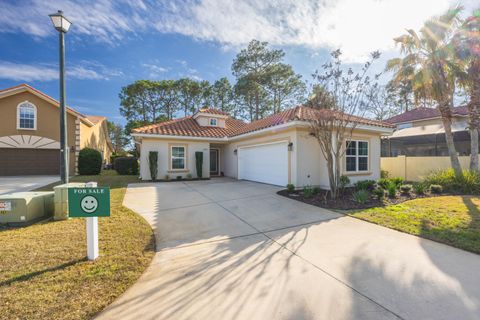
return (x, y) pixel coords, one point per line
(419, 132)
(30, 133)
(276, 150)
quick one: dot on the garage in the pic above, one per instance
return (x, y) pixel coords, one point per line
(267, 163)
(21, 162)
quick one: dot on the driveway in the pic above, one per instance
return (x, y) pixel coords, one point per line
(235, 250)
(24, 183)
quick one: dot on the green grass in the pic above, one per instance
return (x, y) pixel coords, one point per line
(44, 273)
(454, 220)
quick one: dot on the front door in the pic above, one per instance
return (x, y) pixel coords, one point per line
(214, 170)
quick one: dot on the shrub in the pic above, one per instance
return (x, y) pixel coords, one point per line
(406, 188)
(467, 183)
(307, 192)
(392, 189)
(436, 188)
(89, 162)
(419, 188)
(126, 165)
(361, 196)
(398, 181)
(199, 163)
(383, 183)
(343, 182)
(290, 188)
(365, 185)
(316, 190)
(379, 193)
(179, 177)
(167, 177)
(384, 174)
(189, 176)
(153, 164)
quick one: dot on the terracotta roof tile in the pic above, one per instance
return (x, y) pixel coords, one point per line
(189, 127)
(213, 111)
(423, 113)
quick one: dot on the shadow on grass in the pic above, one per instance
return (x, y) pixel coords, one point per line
(31, 275)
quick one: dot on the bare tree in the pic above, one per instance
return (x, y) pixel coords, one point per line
(340, 96)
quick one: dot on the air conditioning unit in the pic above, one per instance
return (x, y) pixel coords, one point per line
(23, 208)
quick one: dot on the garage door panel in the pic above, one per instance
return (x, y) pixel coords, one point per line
(18, 162)
(264, 163)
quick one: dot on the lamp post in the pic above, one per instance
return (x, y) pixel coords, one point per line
(62, 25)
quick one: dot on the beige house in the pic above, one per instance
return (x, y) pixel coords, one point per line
(276, 150)
(30, 134)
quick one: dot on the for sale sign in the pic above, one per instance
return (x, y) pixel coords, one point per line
(88, 202)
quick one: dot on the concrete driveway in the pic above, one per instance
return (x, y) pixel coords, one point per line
(24, 183)
(235, 250)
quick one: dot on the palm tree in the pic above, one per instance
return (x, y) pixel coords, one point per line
(428, 62)
(467, 46)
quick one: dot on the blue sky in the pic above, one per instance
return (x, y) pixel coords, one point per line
(115, 42)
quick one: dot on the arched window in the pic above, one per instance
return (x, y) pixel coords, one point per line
(26, 116)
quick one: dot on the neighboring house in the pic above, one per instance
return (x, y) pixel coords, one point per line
(420, 132)
(30, 133)
(276, 150)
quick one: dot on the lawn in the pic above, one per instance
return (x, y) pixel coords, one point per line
(44, 273)
(454, 220)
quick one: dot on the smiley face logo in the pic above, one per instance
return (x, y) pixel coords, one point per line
(89, 204)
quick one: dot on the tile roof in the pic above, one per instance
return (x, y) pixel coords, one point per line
(213, 111)
(188, 126)
(424, 113)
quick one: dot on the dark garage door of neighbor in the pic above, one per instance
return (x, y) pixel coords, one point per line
(24, 162)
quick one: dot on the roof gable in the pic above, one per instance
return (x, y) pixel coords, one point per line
(26, 88)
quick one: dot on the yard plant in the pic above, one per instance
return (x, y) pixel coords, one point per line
(126, 165)
(361, 196)
(468, 182)
(153, 164)
(89, 162)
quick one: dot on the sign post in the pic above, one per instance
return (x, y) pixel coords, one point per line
(90, 202)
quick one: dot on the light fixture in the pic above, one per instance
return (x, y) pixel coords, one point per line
(60, 22)
(235, 151)
(290, 146)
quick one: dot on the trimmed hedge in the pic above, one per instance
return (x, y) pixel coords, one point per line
(126, 165)
(89, 162)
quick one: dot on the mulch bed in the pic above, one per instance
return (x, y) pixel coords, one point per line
(345, 201)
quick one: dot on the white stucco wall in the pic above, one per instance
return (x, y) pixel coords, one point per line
(231, 160)
(162, 147)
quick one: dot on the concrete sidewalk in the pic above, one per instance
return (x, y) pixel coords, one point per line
(236, 250)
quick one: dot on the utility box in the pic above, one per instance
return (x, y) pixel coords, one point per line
(61, 199)
(24, 208)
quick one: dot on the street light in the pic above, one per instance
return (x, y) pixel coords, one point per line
(62, 25)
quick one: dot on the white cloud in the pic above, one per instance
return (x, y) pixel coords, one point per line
(49, 72)
(154, 70)
(357, 27)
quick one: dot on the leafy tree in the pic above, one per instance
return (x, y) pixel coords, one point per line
(138, 101)
(222, 95)
(400, 94)
(427, 63)
(168, 91)
(339, 95)
(206, 94)
(117, 136)
(467, 47)
(251, 67)
(189, 95)
(284, 86)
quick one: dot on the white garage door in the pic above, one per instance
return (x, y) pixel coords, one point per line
(266, 163)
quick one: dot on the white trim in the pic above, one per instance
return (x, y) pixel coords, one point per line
(209, 115)
(357, 157)
(35, 115)
(184, 157)
(165, 136)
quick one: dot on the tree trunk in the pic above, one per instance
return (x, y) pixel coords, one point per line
(474, 114)
(257, 107)
(474, 149)
(452, 152)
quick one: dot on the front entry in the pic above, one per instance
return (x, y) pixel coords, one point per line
(214, 162)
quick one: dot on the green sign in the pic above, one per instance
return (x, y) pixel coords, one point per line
(88, 202)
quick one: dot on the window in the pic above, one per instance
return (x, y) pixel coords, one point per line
(356, 156)
(26, 116)
(178, 158)
(213, 122)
